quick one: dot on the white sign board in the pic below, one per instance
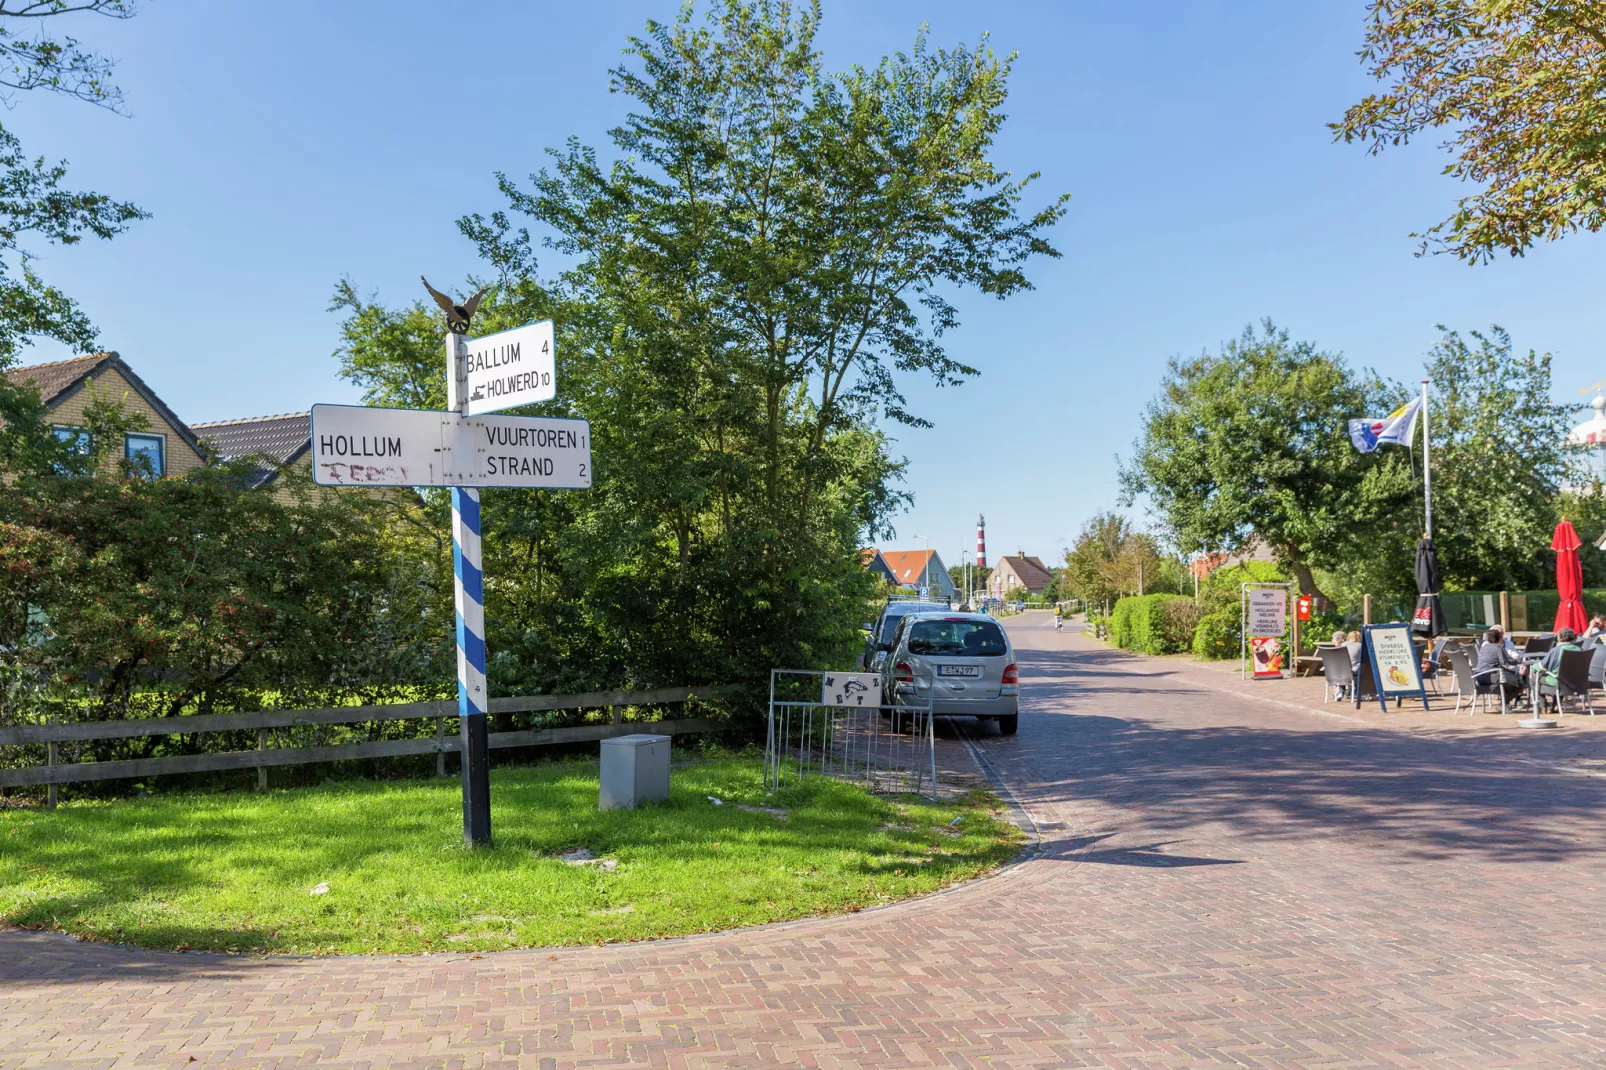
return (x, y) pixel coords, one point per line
(1268, 612)
(1395, 657)
(851, 689)
(357, 445)
(509, 369)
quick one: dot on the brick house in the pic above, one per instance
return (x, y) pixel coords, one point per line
(1018, 571)
(68, 386)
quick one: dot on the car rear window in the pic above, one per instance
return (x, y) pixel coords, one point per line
(889, 621)
(956, 638)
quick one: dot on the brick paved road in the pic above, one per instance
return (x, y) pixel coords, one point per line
(1224, 881)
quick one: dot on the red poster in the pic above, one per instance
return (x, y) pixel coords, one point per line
(1265, 652)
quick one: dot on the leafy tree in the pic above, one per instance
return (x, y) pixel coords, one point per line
(773, 246)
(1250, 444)
(978, 576)
(1110, 558)
(36, 207)
(1521, 85)
(1498, 461)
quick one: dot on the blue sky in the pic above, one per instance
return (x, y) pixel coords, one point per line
(280, 147)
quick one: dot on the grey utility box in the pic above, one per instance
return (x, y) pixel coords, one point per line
(635, 769)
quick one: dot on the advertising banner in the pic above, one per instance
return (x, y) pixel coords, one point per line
(1267, 613)
(1265, 653)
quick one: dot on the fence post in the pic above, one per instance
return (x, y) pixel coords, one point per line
(1366, 609)
(262, 770)
(614, 712)
(440, 742)
(50, 760)
(1505, 612)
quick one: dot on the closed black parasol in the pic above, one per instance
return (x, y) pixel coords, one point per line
(1428, 620)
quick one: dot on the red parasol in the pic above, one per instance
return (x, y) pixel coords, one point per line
(1569, 578)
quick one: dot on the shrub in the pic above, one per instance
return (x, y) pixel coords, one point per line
(1153, 623)
(1216, 636)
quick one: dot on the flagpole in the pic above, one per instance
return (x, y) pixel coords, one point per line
(1427, 466)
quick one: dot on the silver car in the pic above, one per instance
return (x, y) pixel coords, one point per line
(878, 639)
(962, 662)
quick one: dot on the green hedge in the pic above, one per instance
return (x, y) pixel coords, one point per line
(1217, 637)
(1154, 623)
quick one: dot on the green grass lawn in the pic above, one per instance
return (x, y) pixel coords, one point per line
(236, 872)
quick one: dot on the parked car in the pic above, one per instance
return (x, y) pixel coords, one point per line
(878, 636)
(962, 662)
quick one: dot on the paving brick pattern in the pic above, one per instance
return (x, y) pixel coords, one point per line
(1223, 881)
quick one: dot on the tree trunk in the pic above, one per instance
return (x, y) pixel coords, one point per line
(1307, 582)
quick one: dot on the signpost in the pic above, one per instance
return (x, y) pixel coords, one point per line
(464, 449)
(509, 369)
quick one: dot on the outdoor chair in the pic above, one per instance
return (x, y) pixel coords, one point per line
(1597, 666)
(1538, 644)
(1467, 688)
(1572, 680)
(1435, 659)
(1338, 675)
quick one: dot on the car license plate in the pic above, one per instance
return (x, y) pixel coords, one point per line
(959, 670)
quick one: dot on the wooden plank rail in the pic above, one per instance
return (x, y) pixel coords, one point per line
(262, 757)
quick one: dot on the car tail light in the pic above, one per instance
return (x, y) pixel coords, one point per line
(904, 674)
(1011, 674)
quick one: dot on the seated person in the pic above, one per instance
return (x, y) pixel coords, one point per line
(1498, 662)
(1339, 637)
(1352, 643)
(1596, 629)
(1566, 639)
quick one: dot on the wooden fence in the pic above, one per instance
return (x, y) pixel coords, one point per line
(440, 744)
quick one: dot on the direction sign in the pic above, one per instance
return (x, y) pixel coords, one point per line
(509, 369)
(357, 445)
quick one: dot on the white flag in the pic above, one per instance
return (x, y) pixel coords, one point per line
(1393, 430)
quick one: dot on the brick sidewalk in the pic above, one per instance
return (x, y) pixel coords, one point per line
(1223, 880)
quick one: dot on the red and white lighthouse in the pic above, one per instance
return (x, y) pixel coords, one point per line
(981, 542)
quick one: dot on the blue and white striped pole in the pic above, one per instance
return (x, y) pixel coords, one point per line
(469, 592)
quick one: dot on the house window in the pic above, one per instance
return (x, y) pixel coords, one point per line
(148, 452)
(76, 439)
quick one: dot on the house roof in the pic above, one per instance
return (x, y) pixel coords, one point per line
(59, 380)
(281, 438)
(1031, 572)
(909, 565)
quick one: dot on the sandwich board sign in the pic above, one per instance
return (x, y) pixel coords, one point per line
(1263, 617)
(463, 449)
(1391, 656)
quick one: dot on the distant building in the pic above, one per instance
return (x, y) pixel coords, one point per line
(67, 387)
(915, 569)
(871, 561)
(1018, 571)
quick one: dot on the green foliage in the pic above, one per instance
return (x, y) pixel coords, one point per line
(1219, 635)
(1251, 444)
(1497, 464)
(155, 597)
(35, 204)
(1110, 558)
(1154, 623)
(233, 872)
(1520, 85)
(737, 301)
